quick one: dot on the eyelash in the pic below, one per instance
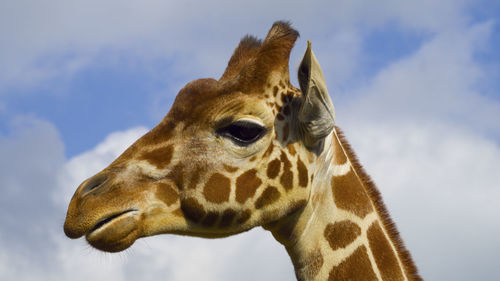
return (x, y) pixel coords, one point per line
(242, 133)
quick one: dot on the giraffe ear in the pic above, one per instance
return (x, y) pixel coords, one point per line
(316, 114)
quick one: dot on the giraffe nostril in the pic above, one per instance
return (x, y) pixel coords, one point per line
(94, 182)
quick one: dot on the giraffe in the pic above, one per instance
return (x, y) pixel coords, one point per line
(243, 151)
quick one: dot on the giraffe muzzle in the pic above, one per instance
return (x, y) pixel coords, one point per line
(115, 232)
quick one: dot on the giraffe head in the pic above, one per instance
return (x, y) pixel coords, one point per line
(231, 154)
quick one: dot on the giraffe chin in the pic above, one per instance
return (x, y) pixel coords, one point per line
(116, 233)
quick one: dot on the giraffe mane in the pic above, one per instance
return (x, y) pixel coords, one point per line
(376, 197)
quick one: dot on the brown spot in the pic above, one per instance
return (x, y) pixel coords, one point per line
(311, 265)
(303, 177)
(275, 91)
(384, 255)
(282, 84)
(192, 209)
(246, 185)
(244, 216)
(291, 148)
(195, 177)
(295, 206)
(269, 150)
(286, 110)
(166, 193)
(210, 219)
(284, 98)
(273, 168)
(349, 194)
(266, 96)
(286, 131)
(356, 267)
(280, 117)
(227, 218)
(177, 175)
(286, 178)
(340, 157)
(341, 234)
(159, 157)
(253, 158)
(270, 195)
(217, 189)
(230, 169)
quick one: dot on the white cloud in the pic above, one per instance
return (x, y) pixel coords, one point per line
(31, 154)
(438, 82)
(57, 38)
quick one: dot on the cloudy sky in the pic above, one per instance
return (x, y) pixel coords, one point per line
(416, 87)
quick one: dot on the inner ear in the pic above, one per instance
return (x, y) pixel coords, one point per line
(304, 72)
(316, 114)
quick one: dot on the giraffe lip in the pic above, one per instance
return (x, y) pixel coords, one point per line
(108, 219)
(115, 232)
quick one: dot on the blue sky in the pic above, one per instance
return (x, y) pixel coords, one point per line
(415, 85)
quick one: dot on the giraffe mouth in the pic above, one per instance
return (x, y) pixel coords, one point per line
(115, 232)
(108, 219)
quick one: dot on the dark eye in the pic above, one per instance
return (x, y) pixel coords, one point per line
(242, 133)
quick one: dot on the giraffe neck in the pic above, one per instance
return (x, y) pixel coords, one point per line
(344, 232)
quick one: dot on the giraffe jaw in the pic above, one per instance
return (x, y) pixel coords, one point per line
(116, 232)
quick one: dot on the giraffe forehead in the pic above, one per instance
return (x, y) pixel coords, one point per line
(208, 95)
(240, 106)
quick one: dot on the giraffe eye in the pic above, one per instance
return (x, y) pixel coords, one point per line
(242, 133)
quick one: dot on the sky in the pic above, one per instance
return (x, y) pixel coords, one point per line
(416, 87)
